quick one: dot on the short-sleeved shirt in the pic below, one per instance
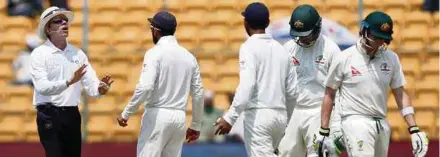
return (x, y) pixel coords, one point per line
(363, 81)
(311, 64)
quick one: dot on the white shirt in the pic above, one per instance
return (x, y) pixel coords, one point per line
(311, 66)
(51, 68)
(266, 74)
(364, 83)
(170, 72)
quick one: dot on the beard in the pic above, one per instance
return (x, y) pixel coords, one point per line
(247, 31)
(155, 39)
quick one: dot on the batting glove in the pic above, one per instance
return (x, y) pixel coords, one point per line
(419, 141)
(323, 144)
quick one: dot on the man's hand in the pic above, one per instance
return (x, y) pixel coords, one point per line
(77, 75)
(192, 135)
(223, 127)
(122, 122)
(105, 84)
(419, 141)
(323, 144)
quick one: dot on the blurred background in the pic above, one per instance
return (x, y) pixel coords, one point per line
(115, 34)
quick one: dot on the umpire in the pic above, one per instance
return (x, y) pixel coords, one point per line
(59, 71)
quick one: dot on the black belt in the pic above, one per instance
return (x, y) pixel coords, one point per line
(50, 105)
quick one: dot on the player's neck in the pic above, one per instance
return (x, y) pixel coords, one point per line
(257, 31)
(369, 50)
(59, 43)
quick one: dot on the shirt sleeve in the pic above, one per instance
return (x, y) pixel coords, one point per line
(334, 51)
(398, 78)
(145, 86)
(197, 99)
(335, 74)
(39, 77)
(245, 89)
(90, 80)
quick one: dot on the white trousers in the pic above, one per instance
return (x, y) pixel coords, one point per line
(366, 136)
(263, 130)
(300, 133)
(162, 133)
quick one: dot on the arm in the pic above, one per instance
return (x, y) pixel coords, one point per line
(402, 99)
(90, 81)
(332, 83)
(39, 77)
(327, 106)
(197, 99)
(145, 86)
(404, 103)
(419, 139)
(245, 87)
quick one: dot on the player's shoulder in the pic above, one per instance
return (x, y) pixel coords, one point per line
(41, 50)
(152, 53)
(330, 43)
(391, 55)
(76, 50)
(290, 44)
(346, 54)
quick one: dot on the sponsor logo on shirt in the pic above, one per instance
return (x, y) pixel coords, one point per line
(295, 61)
(320, 60)
(360, 144)
(355, 72)
(385, 68)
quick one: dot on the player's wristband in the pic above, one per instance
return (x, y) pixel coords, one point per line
(413, 129)
(406, 111)
(324, 131)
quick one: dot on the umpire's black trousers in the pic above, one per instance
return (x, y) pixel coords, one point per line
(59, 129)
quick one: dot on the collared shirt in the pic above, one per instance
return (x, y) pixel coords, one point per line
(267, 77)
(312, 65)
(364, 82)
(51, 68)
(169, 73)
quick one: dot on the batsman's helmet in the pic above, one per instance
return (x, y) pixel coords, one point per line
(379, 24)
(305, 21)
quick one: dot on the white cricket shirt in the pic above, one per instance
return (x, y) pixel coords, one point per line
(266, 74)
(169, 73)
(364, 83)
(51, 68)
(311, 65)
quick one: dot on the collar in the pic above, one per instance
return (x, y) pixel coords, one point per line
(363, 52)
(54, 49)
(261, 36)
(169, 39)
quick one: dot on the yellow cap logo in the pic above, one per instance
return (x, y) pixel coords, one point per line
(298, 24)
(385, 27)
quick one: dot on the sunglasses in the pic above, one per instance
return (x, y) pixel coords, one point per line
(59, 20)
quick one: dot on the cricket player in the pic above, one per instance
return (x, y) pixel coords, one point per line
(312, 55)
(363, 74)
(266, 84)
(169, 73)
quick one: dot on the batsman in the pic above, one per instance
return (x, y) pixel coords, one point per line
(363, 75)
(312, 53)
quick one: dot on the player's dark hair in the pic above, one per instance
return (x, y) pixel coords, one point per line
(167, 32)
(258, 25)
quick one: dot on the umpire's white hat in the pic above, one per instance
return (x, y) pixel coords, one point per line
(48, 14)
